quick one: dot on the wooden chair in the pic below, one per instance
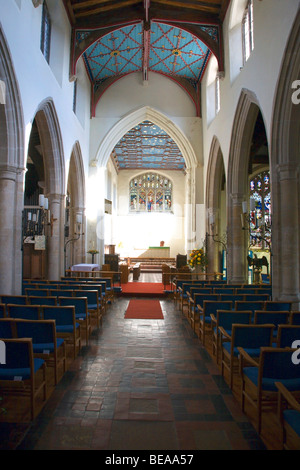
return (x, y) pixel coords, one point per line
(260, 375)
(2, 310)
(45, 343)
(252, 305)
(26, 312)
(222, 322)
(81, 312)
(183, 296)
(289, 418)
(37, 300)
(224, 290)
(65, 324)
(61, 292)
(107, 292)
(286, 335)
(101, 297)
(191, 293)
(231, 297)
(256, 297)
(205, 321)
(275, 317)
(7, 328)
(107, 287)
(197, 308)
(278, 305)
(14, 299)
(23, 375)
(93, 305)
(249, 337)
(295, 318)
(40, 292)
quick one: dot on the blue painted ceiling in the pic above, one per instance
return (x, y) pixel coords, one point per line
(171, 37)
(172, 52)
(147, 146)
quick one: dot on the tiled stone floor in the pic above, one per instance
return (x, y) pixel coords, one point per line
(142, 385)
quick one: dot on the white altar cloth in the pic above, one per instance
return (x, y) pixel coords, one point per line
(85, 267)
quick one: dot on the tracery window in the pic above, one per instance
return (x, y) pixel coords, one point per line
(150, 192)
(260, 212)
(247, 31)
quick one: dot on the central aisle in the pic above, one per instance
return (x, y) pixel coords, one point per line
(142, 385)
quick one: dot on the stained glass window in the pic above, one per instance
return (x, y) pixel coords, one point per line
(150, 192)
(260, 210)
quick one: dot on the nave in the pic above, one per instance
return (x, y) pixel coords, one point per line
(142, 385)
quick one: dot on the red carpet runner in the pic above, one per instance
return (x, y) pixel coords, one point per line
(144, 288)
(144, 309)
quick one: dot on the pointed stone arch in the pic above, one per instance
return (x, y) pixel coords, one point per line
(12, 170)
(74, 250)
(136, 117)
(237, 184)
(54, 167)
(285, 173)
(51, 141)
(215, 180)
(188, 153)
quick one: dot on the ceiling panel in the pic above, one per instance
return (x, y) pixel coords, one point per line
(173, 38)
(147, 146)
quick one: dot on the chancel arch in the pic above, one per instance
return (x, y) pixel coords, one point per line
(145, 113)
(191, 163)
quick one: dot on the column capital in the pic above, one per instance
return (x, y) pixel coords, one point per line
(10, 172)
(289, 170)
(237, 198)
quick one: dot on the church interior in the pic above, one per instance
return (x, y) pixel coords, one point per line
(149, 153)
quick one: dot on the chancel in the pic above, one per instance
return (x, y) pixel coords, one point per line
(149, 151)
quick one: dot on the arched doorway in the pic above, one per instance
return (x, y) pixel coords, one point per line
(43, 243)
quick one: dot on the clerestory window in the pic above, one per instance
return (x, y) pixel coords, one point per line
(46, 33)
(247, 31)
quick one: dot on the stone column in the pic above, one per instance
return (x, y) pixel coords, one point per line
(285, 234)
(211, 246)
(78, 245)
(237, 246)
(55, 238)
(11, 204)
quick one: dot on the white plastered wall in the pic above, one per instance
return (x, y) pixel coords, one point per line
(39, 81)
(127, 103)
(273, 20)
(137, 231)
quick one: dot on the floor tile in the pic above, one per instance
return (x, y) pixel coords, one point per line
(142, 385)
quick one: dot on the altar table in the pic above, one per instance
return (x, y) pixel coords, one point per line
(85, 267)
